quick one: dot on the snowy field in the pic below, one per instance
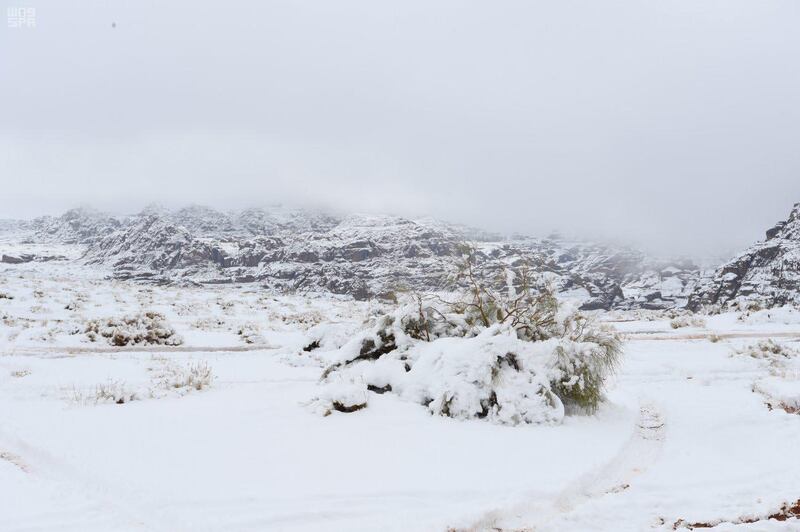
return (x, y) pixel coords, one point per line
(700, 428)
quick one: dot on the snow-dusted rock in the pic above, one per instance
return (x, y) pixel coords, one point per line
(767, 274)
(363, 256)
(76, 226)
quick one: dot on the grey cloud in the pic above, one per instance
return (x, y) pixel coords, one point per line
(670, 124)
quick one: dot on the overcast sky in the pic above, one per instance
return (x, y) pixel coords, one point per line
(675, 124)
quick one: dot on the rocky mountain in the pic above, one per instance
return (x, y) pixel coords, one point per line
(360, 255)
(766, 274)
(149, 245)
(370, 256)
(76, 226)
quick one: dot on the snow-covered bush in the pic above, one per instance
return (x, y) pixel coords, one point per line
(787, 315)
(687, 320)
(250, 333)
(512, 358)
(341, 396)
(767, 349)
(114, 392)
(780, 393)
(783, 361)
(192, 376)
(146, 328)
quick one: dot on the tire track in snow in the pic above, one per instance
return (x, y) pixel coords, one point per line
(77, 350)
(48, 471)
(634, 457)
(14, 460)
(706, 335)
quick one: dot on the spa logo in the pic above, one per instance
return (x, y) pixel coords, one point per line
(21, 17)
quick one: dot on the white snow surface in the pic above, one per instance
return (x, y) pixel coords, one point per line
(685, 436)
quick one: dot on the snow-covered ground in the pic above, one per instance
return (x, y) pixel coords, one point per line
(700, 427)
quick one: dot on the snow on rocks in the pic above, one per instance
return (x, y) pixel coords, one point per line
(766, 274)
(364, 256)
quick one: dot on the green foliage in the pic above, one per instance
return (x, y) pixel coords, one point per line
(585, 366)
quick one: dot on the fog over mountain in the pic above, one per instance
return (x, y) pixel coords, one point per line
(673, 126)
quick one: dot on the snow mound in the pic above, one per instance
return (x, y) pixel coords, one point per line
(780, 392)
(786, 315)
(340, 396)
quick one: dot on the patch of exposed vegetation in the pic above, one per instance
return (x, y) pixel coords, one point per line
(687, 320)
(147, 328)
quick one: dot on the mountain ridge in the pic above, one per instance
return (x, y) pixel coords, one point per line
(369, 255)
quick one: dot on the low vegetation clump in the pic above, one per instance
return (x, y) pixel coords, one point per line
(147, 328)
(687, 320)
(250, 333)
(114, 391)
(768, 350)
(166, 379)
(340, 396)
(512, 356)
(781, 389)
(192, 376)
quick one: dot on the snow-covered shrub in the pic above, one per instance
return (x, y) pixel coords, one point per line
(341, 396)
(513, 358)
(114, 392)
(687, 320)
(782, 360)
(787, 315)
(780, 393)
(493, 375)
(767, 349)
(586, 356)
(209, 324)
(4, 295)
(146, 328)
(192, 376)
(250, 333)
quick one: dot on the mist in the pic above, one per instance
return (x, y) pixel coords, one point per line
(673, 126)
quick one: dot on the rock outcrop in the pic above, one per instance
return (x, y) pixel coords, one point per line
(766, 274)
(76, 226)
